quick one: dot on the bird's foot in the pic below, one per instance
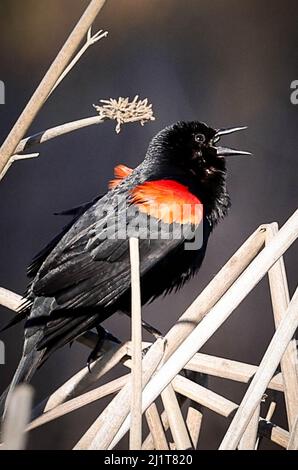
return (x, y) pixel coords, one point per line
(103, 335)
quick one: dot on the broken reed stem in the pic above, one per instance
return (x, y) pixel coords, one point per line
(156, 428)
(41, 93)
(280, 300)
(135, 438)
(102, 431)
(270, 411)
(217, 315)
(16, 419)
(57, 131)
(269, 363)
(176, 421)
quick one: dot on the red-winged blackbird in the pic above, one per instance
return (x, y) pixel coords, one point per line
(83, 276)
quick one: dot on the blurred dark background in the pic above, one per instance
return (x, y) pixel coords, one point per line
(224, 62)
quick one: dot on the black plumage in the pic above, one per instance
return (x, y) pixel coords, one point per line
(83, 276)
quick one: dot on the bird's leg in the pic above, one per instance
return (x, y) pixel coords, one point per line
(103, 335)
(153, 331)
(149, 328)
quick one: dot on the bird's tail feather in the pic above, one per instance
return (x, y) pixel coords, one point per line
(26, 368)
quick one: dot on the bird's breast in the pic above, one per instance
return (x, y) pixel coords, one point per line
(168, 201)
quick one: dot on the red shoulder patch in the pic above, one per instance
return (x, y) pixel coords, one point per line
(120, 172)
(168, 201)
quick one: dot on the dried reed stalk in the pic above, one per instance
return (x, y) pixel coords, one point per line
(204, 397)
(135, 438)
(270, 411)
(229, 369)
(148, 443)
(217, 315)
(176, 421)
(293, 441)
(90, 40)
(16, 158)
(83, 380)
(280, 300)
(159, 440)
(78, 402)
(268, 417)
(16, 418)
(269, 363)
(194, 422)
(43, 90)
(249, 437)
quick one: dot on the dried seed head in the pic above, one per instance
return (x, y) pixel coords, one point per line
(123, 111)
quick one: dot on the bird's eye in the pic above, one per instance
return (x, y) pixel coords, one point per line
(200, 138)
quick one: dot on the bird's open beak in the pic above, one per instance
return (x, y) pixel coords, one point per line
(224, 151)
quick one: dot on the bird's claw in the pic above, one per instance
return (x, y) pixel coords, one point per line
(103, 335)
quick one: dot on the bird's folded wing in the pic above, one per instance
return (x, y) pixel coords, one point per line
(90, 266)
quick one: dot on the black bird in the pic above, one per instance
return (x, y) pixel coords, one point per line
(83, 276)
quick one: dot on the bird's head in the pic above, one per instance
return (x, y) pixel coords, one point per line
(193, 147)
(190, 153)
